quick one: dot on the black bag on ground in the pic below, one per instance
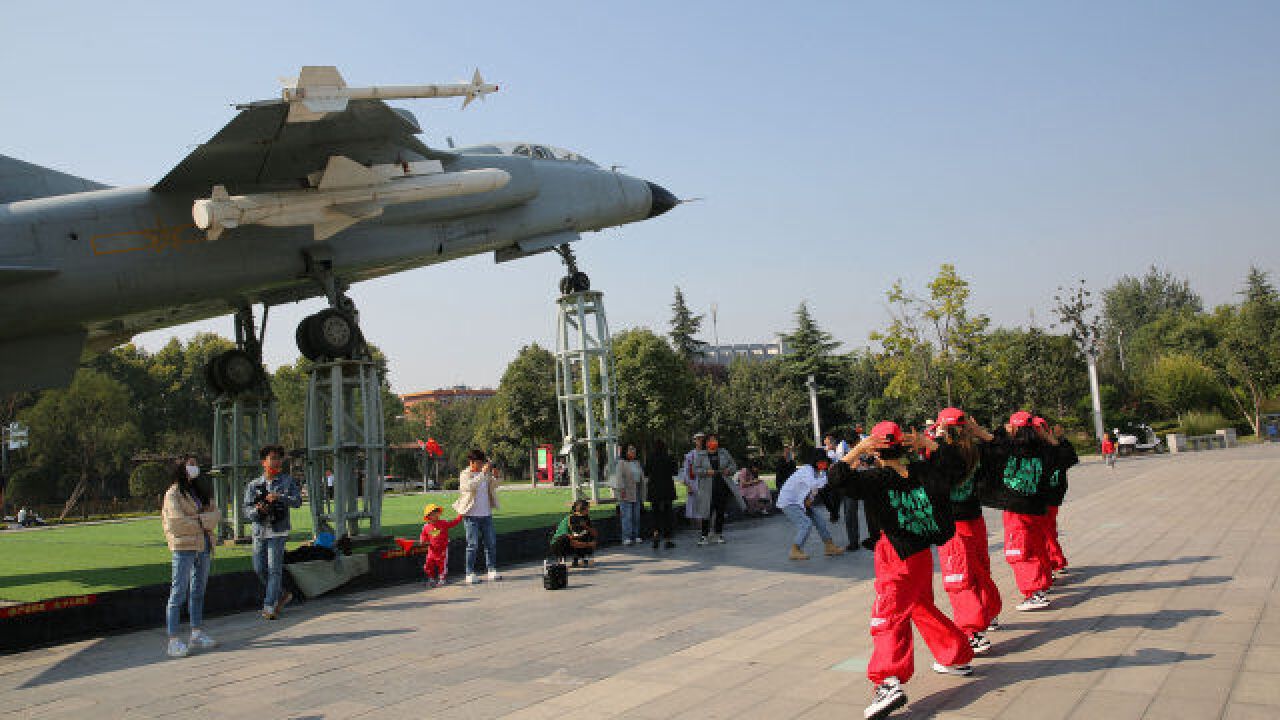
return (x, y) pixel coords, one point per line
(555, 575)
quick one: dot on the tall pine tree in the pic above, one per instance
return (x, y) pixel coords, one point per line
(812, 352)
(684, 326)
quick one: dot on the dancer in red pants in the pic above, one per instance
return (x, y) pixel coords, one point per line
(435, 535)
(910, 503)
(1054, 495)
(1018, 460)
(965, 558)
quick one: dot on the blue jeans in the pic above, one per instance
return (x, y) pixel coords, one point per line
(630, 511)
(806, 520)
(190, 574)
(268, 562)
(481, 529)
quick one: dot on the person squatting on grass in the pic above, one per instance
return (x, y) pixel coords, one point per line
(435, 535)
(965, 559)
(477, 499)
(910, 500)
(267, 501)
(796, 499)
(189, 524)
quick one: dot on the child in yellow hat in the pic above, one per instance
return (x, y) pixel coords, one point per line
(435, 535)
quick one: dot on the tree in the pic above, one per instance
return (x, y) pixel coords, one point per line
(655, 387)
(810, 350)
(957, 334)
(525, 411)
(770, 407)
(1180, 383)
(1134, 302)
(149, 480)
(684, 329)
(89, 427)
(1249, 354)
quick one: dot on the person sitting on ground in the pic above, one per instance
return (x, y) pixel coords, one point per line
(435, 535)
(754, 492)
(575, 536)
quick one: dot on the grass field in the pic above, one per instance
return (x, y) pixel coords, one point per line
(78, 560)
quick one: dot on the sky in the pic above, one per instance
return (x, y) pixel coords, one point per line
(838, 146)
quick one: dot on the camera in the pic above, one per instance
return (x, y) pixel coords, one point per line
(271, 512)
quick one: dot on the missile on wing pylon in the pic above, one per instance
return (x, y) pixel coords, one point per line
(320, 90)
(346, 193)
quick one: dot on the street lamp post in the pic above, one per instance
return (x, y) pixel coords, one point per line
(812, 384)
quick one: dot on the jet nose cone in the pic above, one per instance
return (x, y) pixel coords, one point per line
(662, 200)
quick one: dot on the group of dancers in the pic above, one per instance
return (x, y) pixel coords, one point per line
(925, 489)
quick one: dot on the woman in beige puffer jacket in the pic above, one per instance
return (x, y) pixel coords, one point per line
(190, 522)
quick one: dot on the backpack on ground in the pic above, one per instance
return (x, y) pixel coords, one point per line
(555, 574)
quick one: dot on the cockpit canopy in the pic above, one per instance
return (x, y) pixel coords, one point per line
(532, 150)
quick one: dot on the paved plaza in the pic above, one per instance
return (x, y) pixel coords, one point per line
(1173, 611)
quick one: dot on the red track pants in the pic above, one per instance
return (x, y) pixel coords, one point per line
(437, 564)
(1057, 560)
(966, 576)
(1026, 551)
(904, 595)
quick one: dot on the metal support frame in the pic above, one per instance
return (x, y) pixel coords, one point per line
(344, 434)
(585, 390)
(344, 429)
(242, 424)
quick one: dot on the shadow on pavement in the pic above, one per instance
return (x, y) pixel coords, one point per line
(1085, 572)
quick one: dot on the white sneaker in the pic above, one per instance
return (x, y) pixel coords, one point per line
(472, 579)
(1037, 601)
(177, 648)
(200, 641)
(993, 625)
(958, 670)
(494, 576)
(888, 697)
(979, 643)
(702, 540)
(720, 539)
(627, 541)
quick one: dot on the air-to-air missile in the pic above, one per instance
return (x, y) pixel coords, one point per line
(343, 194)
(320, 90)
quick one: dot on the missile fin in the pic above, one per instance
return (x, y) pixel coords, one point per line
(320, 76)
(343, 172)
(333, 224)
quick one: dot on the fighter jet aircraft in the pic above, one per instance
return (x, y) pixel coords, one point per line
(296, 197)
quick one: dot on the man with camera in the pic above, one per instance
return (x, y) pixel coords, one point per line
(267, 501)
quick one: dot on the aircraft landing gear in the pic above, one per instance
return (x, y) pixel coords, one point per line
(240, 370)
(574, 281)
(330, 333)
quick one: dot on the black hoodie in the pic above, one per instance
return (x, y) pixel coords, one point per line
(914, 512)
(1016, 473)
(1066, 457)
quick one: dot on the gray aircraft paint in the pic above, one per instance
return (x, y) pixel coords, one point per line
(89, 270)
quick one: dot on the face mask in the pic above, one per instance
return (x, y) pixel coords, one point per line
(713, 446)
(193, 471)
(268, 470)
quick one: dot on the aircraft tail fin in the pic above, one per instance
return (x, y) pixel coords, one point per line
(24, 181)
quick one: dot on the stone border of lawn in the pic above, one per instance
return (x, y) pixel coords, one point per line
(61, 620)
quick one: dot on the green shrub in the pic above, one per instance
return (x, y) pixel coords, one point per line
(28, 486)
(1203, 423)
(149, 480)
(451, 484)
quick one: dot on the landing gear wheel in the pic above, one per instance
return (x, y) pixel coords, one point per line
(575, 282)
(233, 372)
(303, 337)
(333, 333)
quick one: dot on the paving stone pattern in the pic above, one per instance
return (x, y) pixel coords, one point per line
(1173, 611)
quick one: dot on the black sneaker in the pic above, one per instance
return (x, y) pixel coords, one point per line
(993, 625)
(889, 697)
(869, 544)
(979, 643)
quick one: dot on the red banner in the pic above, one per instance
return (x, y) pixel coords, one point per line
(46, 606)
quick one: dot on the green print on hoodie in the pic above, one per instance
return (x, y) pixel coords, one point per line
(1022, 475)
(915, 512)
(963, 491)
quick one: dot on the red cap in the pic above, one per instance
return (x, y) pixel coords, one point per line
(889, 431)
(951, 416)
(1039, 422)
(1022, 418)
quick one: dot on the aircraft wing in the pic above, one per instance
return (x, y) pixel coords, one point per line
(259, 151)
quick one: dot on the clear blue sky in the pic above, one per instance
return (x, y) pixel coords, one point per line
(840, 145)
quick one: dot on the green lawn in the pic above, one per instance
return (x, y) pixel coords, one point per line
(77, 560)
